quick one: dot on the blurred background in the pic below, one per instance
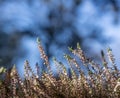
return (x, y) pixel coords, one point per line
(95, 24)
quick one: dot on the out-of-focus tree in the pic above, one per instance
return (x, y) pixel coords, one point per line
(59, 24)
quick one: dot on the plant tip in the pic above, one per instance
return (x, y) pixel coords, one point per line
(38, 40)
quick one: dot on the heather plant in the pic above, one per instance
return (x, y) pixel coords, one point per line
(85, 79)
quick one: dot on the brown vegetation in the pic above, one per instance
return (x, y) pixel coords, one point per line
(92, 81)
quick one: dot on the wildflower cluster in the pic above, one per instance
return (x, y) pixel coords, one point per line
(85, 79)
